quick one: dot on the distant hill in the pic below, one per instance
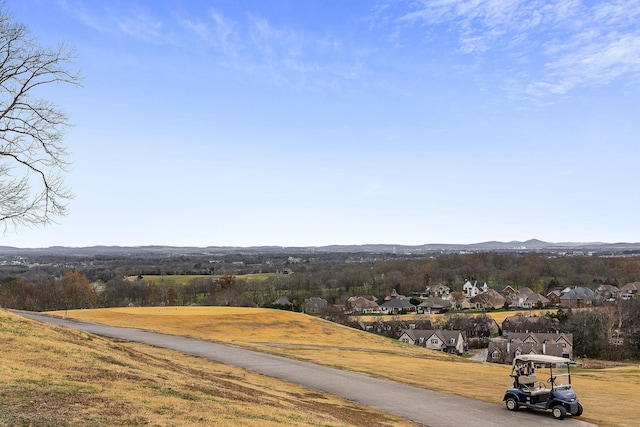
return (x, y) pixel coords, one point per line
(516, 246)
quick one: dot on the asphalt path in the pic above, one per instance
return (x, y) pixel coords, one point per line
(422, 406)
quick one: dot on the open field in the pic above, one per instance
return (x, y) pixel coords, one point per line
(183, 279)
(608, 395)
(53, 376)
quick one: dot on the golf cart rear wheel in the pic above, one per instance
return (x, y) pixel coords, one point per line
(578, 411)
(559, 412)
(511, 404)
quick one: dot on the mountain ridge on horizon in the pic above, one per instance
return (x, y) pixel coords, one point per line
(531, 244)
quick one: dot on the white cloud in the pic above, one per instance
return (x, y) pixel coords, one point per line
(564, 44)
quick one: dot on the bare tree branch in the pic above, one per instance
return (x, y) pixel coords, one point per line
(32, 156)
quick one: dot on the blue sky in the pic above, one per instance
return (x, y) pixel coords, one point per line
(308, 123)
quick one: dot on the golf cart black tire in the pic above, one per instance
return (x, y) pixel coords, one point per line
(559, 412)
(578, 411)
(511, 404)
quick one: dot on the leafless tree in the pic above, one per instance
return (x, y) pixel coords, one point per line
(32, 155)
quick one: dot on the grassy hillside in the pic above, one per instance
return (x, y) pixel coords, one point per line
(53, 376)
(608, 395)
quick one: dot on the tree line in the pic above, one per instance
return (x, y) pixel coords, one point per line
(610, 331)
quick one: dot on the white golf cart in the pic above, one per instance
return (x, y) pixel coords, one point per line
(555, 394)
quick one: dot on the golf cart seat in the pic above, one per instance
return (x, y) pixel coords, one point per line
(527, 380)
(528, 384)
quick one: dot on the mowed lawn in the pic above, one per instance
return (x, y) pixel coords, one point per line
(55, 376)
(609, 396)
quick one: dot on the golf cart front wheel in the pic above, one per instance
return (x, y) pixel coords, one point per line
(559, 412)
(578, 411)
(511, 404)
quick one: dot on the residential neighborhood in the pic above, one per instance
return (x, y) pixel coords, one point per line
(518, 334)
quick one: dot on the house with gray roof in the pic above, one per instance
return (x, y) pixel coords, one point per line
(397, 306)
(534, 300)
(526, 324)
(361, 305)
(315, 305)
(578, 297)
(434, 305)
(449, 341)
(506, 348)
(488, 300)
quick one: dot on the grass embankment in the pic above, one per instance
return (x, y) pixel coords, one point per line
(608, 395)
(498, 316)
(53, 376)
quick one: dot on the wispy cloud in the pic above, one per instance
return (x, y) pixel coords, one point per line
(563, 43)
(297, 56)
(134, 22)
(215, 30)
(286, 54)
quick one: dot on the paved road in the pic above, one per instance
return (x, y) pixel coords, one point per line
(425, 407)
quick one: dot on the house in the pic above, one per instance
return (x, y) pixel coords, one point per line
(526, 298)
(440, 291)
(377, 326)
(282, 301)
(578, 297)
(489, 300)
(434, 305)
(361, 305)
(533, 300)
(608, 292)
(520, 323)
(453, 342)
(546, 341)
(554, 297)
(394, 295)
(506, 348)
(397, 306)
(315, 305)
(464, 305)
(472, 288)
(506, 291)
(630, 291)
(419, 324)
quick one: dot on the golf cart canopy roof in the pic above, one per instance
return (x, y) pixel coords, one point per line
(540, 358)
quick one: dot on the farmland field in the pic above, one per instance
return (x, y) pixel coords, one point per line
(604, 393)
(183, 279)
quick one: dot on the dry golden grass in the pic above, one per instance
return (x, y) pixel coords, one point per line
(609, 396)
(53, 376)
(498, 316)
